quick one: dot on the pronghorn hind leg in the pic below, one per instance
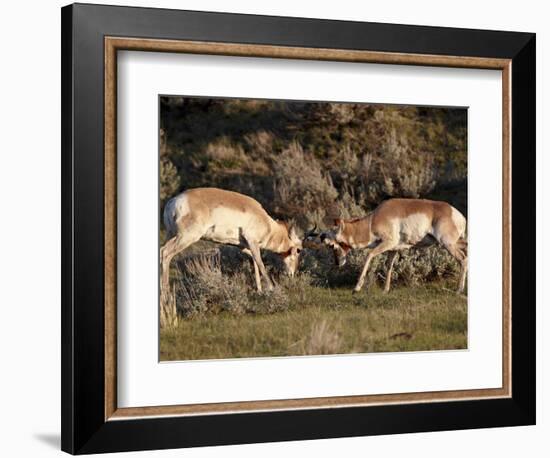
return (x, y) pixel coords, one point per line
(256, 269)
(170, 249)
(166, 255)
(384, 246)
(457, 251)
(463, 246)
(393, 257)
(463, 272)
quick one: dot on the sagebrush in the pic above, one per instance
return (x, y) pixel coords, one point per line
(309, 163)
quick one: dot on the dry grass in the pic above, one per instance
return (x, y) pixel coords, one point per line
(328, 321)
(215, 311)
(169, 316)
(322, 340)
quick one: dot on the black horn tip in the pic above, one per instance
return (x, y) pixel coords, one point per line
(311, 232)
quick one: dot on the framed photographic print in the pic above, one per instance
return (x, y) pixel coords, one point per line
(281, 228)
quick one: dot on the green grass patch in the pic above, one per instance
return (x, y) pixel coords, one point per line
(322, 320)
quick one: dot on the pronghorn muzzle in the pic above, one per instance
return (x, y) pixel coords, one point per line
(340, 250)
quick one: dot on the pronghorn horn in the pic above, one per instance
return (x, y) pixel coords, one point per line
(311, 231)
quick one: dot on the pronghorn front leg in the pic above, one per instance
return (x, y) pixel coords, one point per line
(256, 269)
(256, 256)
(379, 249)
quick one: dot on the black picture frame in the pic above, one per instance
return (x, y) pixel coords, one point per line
(84, 428)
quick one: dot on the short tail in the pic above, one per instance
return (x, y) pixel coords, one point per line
(169, 218)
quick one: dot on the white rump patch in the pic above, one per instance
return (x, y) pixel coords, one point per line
(182, 205)
(175, 209)
(459, 221)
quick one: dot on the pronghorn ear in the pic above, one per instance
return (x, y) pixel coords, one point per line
(338, 222)
(288, 225)
(284, 223)
(292, 232)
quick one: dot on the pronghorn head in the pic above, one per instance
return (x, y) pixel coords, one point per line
(335, 239)
(329, 238)
(311, 239)
(291, 257)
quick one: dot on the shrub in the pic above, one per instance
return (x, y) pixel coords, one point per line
(276, 300)
(260, 143)
(169, 178)
(422, 265)
(412, 267)
(203, 288)
(406, 172)
(301, 184)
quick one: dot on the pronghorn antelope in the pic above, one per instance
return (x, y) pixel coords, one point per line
(230, 218)
(399, 224)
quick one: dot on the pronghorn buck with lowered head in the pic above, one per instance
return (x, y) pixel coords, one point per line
(400, 224)
(230, 218)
